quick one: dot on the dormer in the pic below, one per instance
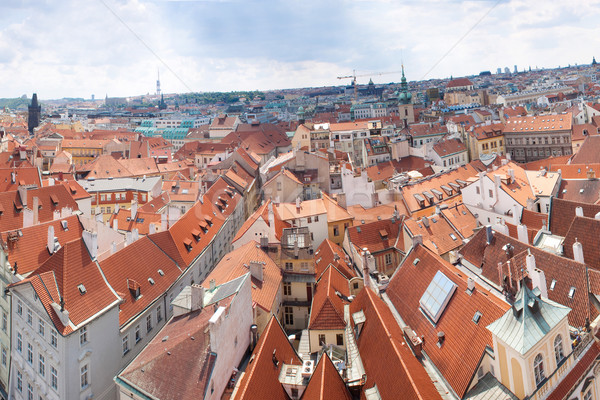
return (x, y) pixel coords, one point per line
(134, 288)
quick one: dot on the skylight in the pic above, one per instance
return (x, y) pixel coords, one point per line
(477, 317)
(436, 297)
(81, 288)
(552, 284)
(572, 292)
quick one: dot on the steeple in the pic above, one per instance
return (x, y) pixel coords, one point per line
(594, 61)
(34, 115)
(404, 97)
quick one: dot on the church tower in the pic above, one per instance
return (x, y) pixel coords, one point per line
(405, 107)
(35, 111)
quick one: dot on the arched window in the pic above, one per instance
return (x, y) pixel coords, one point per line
(558, 349)
(538, 369)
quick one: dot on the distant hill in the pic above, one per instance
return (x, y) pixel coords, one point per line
(15, 104)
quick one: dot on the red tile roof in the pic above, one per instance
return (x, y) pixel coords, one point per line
(388, 361)
(22, 176)
(459, 82)
(141, 222)
(61, 275)
(237, 263)
(327, 309)
(369, 236)
(588, 152)
(143, 260)
(438, 235)
(586, 231)
(448, 147)
(261, 212)
(326, 382)
(261, 379)
(585, 363)
(330, 253)
(562, 214)
(465, 341)
(461, 219)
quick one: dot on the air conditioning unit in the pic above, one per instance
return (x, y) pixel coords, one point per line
(307, 368)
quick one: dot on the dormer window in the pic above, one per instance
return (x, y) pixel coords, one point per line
(196, 234)
(188, 244)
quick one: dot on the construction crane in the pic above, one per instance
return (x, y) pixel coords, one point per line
(354, 76)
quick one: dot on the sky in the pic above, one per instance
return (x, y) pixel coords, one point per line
(76, 48)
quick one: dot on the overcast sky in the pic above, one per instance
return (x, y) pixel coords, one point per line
(76, 48)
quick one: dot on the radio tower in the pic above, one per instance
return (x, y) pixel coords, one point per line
(158, 83)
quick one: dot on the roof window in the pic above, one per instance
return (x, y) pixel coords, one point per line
(161, 272)
(571, 292)
(552, 284)
(81, 288)
(436, 296)
(151, 281)
(477, 317)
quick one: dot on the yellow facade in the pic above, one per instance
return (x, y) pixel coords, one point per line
(337, 229)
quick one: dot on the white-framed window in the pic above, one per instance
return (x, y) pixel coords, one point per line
(148, 323)
(4, 321)
(42, 365)
(559, 353)
(29, 317)
(29, 353)
(138, 334)
(388, 259)
(19, 381)
(53, 378)
(41, 327)
(125, 344)
(288, 314)
(538, 369)
(19, 307)
(53, 338)
(84, 377)
(19, 342)
(83, 336)
(159, 313)
(4, 357)
(108, 197)
(287, 289)
(588, 395)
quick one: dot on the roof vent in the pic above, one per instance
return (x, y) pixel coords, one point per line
(151, 281)
(441, 338)
(81, 288)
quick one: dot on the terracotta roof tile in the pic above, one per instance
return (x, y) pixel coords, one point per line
(465, 341)
(461, 220)
(438, 235)
(586, 231)
(448, 147)
(367, 235)
(566, 385)
(562, 214)
(141, 222)
(261, 379)
(588, 152)
(327, 309)
(261, 212)
(326, 383)
(388, 361)
(237, 263)
(330, 253)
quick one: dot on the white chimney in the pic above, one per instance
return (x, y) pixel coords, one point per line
(113, 248)
(522, 233)
(497, 181)
(128, 238)
(516, 216)
(135, 234)
(298, 204)
(151, 229)
(50, 243)
(597, 216)
(116, 224)
(27, 217)
(256, 270)
(579, 212)
(36, 210)
(134, 206)
(197, 297)
(163, 222)
(23, 195)
(511, 174)
(530, 261)
(578, 252)
(66, 212)
(56, 215)
(91, 242)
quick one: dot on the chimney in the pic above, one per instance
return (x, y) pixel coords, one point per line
(151, 229)
(425, 222)
(213, 284)
(578, 252)
(13, 177)
(511, 174)
(516, 216)
(256, 270)
(538, 278)
(91, 242)
(522, 233)
(36, 210)
(128, 238)
(417, 239)
(55, 215)
(470, 284)
(508, 156)
(489, 234)
(298, 204)
(113, 248)
(341, 200)
(116, 224)
(501, 227)
(497, 182)
(27, 217)
(197, 297)
(579, 212)
(23, 195)
(591, 174)
(135, 234)
(133, 210)
(50, 243)
(163, 222)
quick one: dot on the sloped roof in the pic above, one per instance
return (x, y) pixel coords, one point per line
(588, 152)
(465, 341)
(445, 148)
(567, 384)
(586, 231)
(562, 214)
(459, 82)
(326, 383)
(261, 379)
(438, 235)
(308, 208)
(261, 212)
(335, 212)
(237, 263)
(388, 361)
(141, 222)
(139, 262)
(330, 253)
(61, 275)
(369, 235)
(327, 309)
(461, 219)
(23, 176)
(105, 166)
(529, 320)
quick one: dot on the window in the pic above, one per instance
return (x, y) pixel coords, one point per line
(321, 339)
(336, 231)
(41, 327)
(279, 186)
(102, 197)
(571, 292)
(388, 259)
(148, 323)
(339, 339)
(4, 357)
(84, 377)
(158, 314)
(29, 353)
(42, 365)
(477, 317)
(108, 196)
(476, 188)
(53, 378)
(288, 314)
(29, 317)
(309, 220)
(552, 284)
(538, 369)
(138, 334)
(316, 218)
(19, 342)
(53, 338)
(559, 353)
(287, 289)
(83, 336)
(19, 381)
(19, 307)
(289, 266)
(4, 322)
(588, 395)
(491, 193)
(126, 344)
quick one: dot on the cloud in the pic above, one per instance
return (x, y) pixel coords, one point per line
(71, 48)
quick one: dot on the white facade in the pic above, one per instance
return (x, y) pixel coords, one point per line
(358, 190)
(487, 201)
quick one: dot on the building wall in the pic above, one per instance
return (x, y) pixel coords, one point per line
(476, 197)
(338, 227)
(531, 146)
(330, 338)
(283, 190)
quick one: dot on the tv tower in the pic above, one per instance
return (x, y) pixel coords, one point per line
(158, 83)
